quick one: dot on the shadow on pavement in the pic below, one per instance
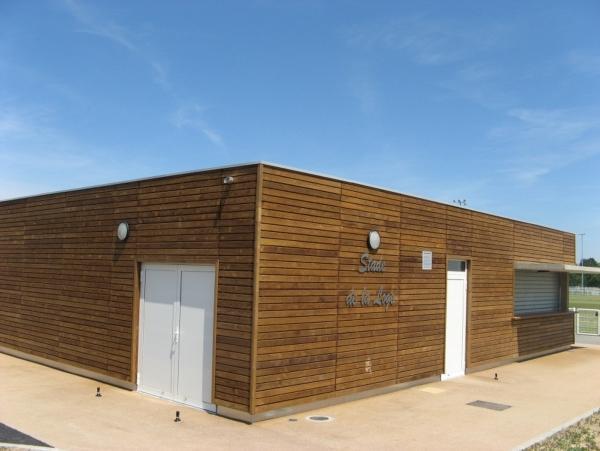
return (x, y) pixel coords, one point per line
(12, 436)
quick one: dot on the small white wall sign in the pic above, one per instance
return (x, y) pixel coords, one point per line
(427, 260)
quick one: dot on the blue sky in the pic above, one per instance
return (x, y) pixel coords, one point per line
(497, 103)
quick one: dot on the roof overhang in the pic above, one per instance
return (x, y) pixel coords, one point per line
(556, 267)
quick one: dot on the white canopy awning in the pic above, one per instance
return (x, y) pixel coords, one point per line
(556, 267)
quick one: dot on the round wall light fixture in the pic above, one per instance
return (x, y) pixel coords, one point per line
(122, 231)
(374, 240)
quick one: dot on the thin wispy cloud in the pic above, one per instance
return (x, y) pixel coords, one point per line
(21, 123)
(91, 23)
(29, 140)
(36, 155)
(192, 117)
(426, 40)
(477, 71)
(94, 23)
(363, 89)
(160, 75)
(531, 143)
(461, 53)
(481, 84)
(10, 125)
(42, 81)
(522, 173)
(585, 62)
(538, 142)
(557, 123)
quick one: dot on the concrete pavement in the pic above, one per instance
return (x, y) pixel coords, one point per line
(587, 339)
(61, 409)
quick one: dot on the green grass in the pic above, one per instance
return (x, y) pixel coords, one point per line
(583, 301)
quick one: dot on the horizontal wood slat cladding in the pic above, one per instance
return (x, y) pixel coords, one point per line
(422, 294)
(543, 245)
(537, 334)
(312, 346)
(67, 285)
(296, 349)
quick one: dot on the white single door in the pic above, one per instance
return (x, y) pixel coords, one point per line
(176, 333)
(456, 315)
(196, 336)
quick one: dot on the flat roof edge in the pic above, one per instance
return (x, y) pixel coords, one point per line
(392, 191)
(278, 166)
(555, 267)
(136, 180)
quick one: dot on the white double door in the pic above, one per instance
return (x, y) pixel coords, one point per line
(456, 319)
(176, 333)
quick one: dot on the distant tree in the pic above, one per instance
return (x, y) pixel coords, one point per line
(589, 280)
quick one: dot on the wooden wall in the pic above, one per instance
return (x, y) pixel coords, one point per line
(534, 243)
(67, 286)
(297, 327)
(536, 334)
(312, 346)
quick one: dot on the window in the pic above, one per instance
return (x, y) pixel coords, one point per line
(536, 292)
(457, 265)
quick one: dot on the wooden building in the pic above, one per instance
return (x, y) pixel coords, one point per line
(257, 290)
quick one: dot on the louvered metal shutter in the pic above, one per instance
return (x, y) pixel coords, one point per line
(536, 292)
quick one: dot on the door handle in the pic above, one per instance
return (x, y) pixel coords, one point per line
(176, 337)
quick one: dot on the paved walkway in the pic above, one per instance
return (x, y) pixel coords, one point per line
(587, 339)
(61, 409)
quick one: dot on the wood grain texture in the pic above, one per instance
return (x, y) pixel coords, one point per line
(537, 334)
(284, 332)
(297, 316)
(68, 287)
(312, 346)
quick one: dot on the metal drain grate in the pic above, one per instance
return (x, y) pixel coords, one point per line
(320, 418)
(489, 405)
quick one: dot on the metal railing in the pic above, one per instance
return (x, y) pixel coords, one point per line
(588, 291)
(587, 321)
